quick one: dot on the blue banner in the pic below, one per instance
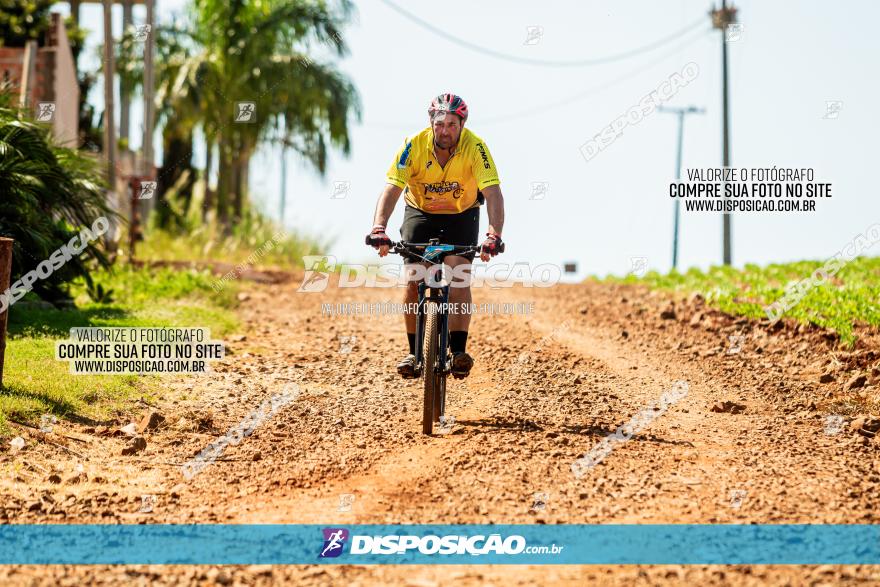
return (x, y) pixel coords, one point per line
(440, 544)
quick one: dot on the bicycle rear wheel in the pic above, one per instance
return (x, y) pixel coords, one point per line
(435, 385)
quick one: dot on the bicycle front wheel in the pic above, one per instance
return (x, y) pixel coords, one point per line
(435, 383)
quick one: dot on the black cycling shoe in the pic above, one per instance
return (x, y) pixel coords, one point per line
(407, 367)
(461, 365)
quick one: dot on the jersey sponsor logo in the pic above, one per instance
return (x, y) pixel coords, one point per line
(483, 155)
(404, 156)
(441, 187)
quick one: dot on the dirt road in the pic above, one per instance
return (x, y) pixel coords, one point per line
(757, 438)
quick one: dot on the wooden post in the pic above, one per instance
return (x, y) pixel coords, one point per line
(134, 227)
(28, 75)
(124, 90)
(149, 93)
(109, 121)
(5, 276)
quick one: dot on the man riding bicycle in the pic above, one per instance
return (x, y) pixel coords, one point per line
(444, 172)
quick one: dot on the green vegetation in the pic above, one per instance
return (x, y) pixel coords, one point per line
(276, 55)
(23, 20)
(851, 297)
(47, 195)
(35, 383)
(255, 238)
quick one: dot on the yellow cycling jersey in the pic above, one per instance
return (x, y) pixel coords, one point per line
(442, 190)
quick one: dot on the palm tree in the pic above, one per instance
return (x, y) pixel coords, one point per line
(244, 51)
(179, 103)
(258, 52)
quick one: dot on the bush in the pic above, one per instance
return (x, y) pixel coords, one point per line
(48, 194)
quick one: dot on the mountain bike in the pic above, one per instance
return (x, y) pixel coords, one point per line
(433, 356)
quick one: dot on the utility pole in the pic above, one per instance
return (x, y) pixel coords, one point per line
(721, 18)
(680, 112)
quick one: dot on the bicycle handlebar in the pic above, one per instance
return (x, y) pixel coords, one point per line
(403, 246)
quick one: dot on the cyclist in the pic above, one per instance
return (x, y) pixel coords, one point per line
(445, 172)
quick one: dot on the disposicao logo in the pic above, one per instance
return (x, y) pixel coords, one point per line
(334, 540)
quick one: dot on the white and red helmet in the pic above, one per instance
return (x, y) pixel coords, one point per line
(448, 103)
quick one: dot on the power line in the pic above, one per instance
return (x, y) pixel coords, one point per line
(549, 63)
(596, 89)
(537, 110)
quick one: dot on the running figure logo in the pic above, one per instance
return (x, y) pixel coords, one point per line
(148, 190)
(246, 112)
(318, 268)
(141, 32)
(334, 540)
(45, 111)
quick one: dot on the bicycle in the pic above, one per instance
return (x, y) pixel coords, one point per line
(433, 356)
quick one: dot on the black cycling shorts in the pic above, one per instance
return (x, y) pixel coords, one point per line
(461, 229)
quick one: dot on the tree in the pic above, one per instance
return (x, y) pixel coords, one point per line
(23, 20)
(177, 112)
(243, 51)
(259, 52)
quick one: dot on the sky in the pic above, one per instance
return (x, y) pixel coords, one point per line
(792, 57)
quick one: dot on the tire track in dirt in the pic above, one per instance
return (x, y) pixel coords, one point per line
(541, 395)
(373, 490)
(780, 459)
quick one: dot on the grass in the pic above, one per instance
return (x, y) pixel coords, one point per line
(35, 383)
(850, 298)
(256, 240)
